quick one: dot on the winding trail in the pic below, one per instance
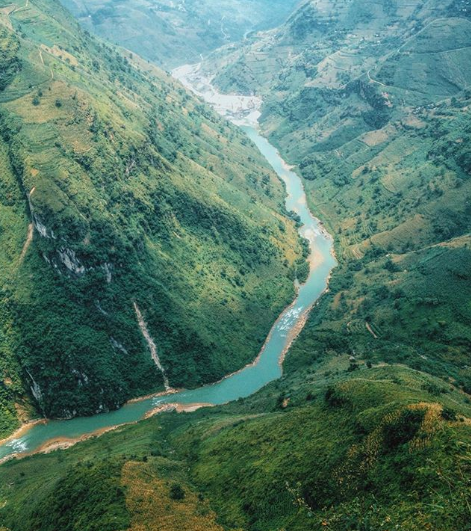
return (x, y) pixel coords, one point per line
(374, 80)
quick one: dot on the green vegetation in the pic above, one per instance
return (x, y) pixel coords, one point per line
(361, 449)
(88, 498)
(372, 106)
(370, 426)
(172, 33)
(138, 194)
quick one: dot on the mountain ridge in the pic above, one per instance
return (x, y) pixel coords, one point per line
(374, 113)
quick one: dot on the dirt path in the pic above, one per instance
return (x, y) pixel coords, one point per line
(370, 330)
(42, 62)
(29, 239)
(374, 80)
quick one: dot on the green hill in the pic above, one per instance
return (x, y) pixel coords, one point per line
(385, 447)
(139, 195)
(372, 105)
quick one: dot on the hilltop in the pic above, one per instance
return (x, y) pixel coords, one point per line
(381, 447)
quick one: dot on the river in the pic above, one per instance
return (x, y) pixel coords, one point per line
(244, 111)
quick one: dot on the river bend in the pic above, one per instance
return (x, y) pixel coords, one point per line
(244, 111)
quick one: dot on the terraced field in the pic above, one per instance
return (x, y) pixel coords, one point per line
(372, 105)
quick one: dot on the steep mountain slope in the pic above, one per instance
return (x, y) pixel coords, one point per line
(130, 216)
(349, 438)
(173, 33)
(371, 101)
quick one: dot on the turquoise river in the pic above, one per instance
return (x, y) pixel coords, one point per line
(266, 368)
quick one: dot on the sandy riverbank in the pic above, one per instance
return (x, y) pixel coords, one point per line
(241, 110)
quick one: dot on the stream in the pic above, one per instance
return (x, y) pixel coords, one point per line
(244, 111)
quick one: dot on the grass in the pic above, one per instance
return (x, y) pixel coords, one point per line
(386, 445)
(369, 428)
(381, 140)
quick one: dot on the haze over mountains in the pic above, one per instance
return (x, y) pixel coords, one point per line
(171, 33)
(122, 195)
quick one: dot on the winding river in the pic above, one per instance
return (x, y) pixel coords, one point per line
(244, 111)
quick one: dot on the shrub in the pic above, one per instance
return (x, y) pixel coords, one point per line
(448, 413)
(177, 492)
(404, 428)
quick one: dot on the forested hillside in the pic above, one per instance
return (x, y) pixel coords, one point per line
(168, 207)
(332, 448)
(371, 101)
(123, 198)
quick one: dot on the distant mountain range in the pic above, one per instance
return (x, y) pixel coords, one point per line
(175, 32)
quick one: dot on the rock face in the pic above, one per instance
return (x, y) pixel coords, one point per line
(138, 193)
(70, 260)
(151, 344)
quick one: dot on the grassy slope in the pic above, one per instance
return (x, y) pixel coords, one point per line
(138, 193)
(373, 107)
(372, 448)
(174, 33)
(334, 444)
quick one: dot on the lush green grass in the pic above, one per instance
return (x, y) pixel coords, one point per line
(357, 449)
(89, 497)
(365, 442)
(138, 193)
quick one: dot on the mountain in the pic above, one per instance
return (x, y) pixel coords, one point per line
(370, 426)
(130, 215)
(371, 103)
(171, 33)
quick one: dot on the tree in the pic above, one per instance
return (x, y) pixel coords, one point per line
(176, 492)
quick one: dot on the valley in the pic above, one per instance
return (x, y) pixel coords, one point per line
(264, 369)
(127, 209)
(363, 106)
(177, 31)
(168, 254)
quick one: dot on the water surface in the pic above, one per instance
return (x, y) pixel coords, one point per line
(265, 369)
